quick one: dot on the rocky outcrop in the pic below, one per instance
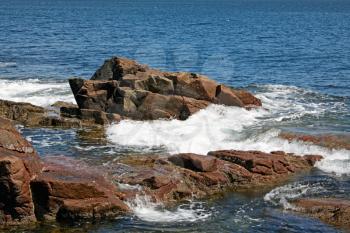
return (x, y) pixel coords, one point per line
(74, 194)
(332, 211)
(184, 176)
(61, 114)
(19, 163)
(122, 86)
(32, 190)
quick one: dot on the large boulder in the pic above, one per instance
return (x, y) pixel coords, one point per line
(19, 163)
(32, 190)
(61, 114)
(25, 113)
(267, 164)
(138, 92)
(62, 193)
(332, 211)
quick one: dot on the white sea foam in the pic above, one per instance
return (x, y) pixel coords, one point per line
(35, 91)
(7, 64)
(207, 130)
(284, 194)
(149, 211)
(220, 127)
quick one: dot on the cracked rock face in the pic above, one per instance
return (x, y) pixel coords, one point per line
(188, 175)
(31, 189)
(19, 163)
(122, 86)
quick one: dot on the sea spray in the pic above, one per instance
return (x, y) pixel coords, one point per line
(35, 91)
(147, 210)
(282, 196)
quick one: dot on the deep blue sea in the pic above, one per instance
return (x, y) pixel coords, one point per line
(293, 54)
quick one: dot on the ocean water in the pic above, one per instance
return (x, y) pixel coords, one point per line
(293, 54)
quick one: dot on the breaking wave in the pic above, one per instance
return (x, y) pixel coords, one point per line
(221, 127)
(285, 194)
(7, 64)
(35, 91)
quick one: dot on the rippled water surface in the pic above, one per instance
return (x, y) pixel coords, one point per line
(293, 54)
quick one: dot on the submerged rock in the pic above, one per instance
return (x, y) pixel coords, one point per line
(135, 91)
(332, 211)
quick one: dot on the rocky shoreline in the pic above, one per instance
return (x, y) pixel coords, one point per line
(33, 189)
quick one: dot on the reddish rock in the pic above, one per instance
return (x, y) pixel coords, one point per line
(262, 164)
(153, 81)
(330, 141)
(186, 176)
(156, 106)
(135, 91)
(193, 85)
(30, 190)
(248, 99)
(65, 194)
(332, 211)
(226, 96)
(19, 163)
(16, 204)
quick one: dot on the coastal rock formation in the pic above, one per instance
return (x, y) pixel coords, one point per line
(61, 114)
(131, 90)
(184, 176)
(332, 211)
(74, 194)
(19, 163)
(32, 190)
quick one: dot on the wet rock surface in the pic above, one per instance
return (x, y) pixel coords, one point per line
(19, 163)
(65, 194)
(123, 89)
(31, 189)
(54, 190)
(61, 114)
(185, 176)
(325, 140)
(332, 211)
(122, 86)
